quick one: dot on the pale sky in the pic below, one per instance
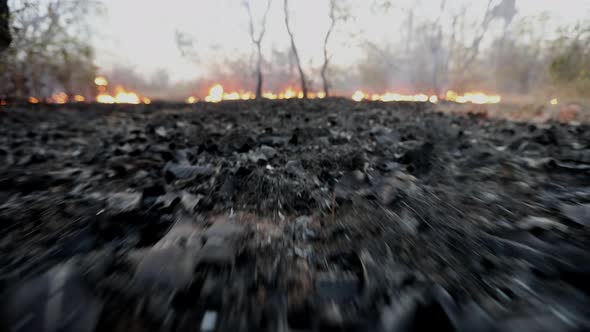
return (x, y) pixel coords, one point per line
(141, 33)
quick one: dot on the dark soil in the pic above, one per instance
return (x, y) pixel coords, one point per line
(291, 216)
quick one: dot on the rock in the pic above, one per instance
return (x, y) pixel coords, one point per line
(579, 214)
(331, 316)
(170, 267)
(222, 242)
(257, 157)
(170, 263)
(542, 322)
(58, 300)
(209, 321)
(388, 166)
(183, 172)
(295, 167)
(531, 223)
(303, 252)
(190, 201)
(409, 223)
(350, 184)
(433, 310)
(305, 135)
(418, 156)
(161, 132)
(395, 187)
(338, 287)
(218, 252)
(275, 141)
(300, 229)
(268, 152)
(123, 202)
(224, 230)
(167, 200)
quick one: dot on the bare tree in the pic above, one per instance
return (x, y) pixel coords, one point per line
(257, 40)
(332, 16)
(473, 50)
(294, 49)
(49, 51)
(335, 14)
(4, 25)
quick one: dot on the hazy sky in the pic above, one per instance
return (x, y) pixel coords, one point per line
(141, 33)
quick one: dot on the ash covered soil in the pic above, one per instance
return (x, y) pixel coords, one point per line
(322, 215)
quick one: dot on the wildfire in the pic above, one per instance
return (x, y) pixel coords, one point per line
(101, 81)
(33, 100)
(121, 95)
(393, 96)
(473, 97)
(217, 94)
(470, 97)
(59, 98)
(104, 98)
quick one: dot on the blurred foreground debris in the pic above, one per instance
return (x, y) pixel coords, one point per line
(274, 216)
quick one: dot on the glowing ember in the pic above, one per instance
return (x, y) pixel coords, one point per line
(554, 101)
(473, 97)
(288, 94)
(104, 98)
(392, 96)
(358, 96)
(121, 95)
(101, 81)
(79, 98)
(33, 100)
(215, 94)
(269, 95)
(59, 98)
(125, 97)
(231, 96)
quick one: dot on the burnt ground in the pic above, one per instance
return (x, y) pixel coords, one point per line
(291, 216)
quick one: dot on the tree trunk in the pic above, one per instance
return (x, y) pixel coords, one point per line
(259, 72)
(326, 57)
(294, 49)
(5, 38)
(258, 43)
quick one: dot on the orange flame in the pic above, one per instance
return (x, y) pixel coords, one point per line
(101, 81)
(59, 98)
(479, 98)
(217, 93)
(470, 97)
(121, 96)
